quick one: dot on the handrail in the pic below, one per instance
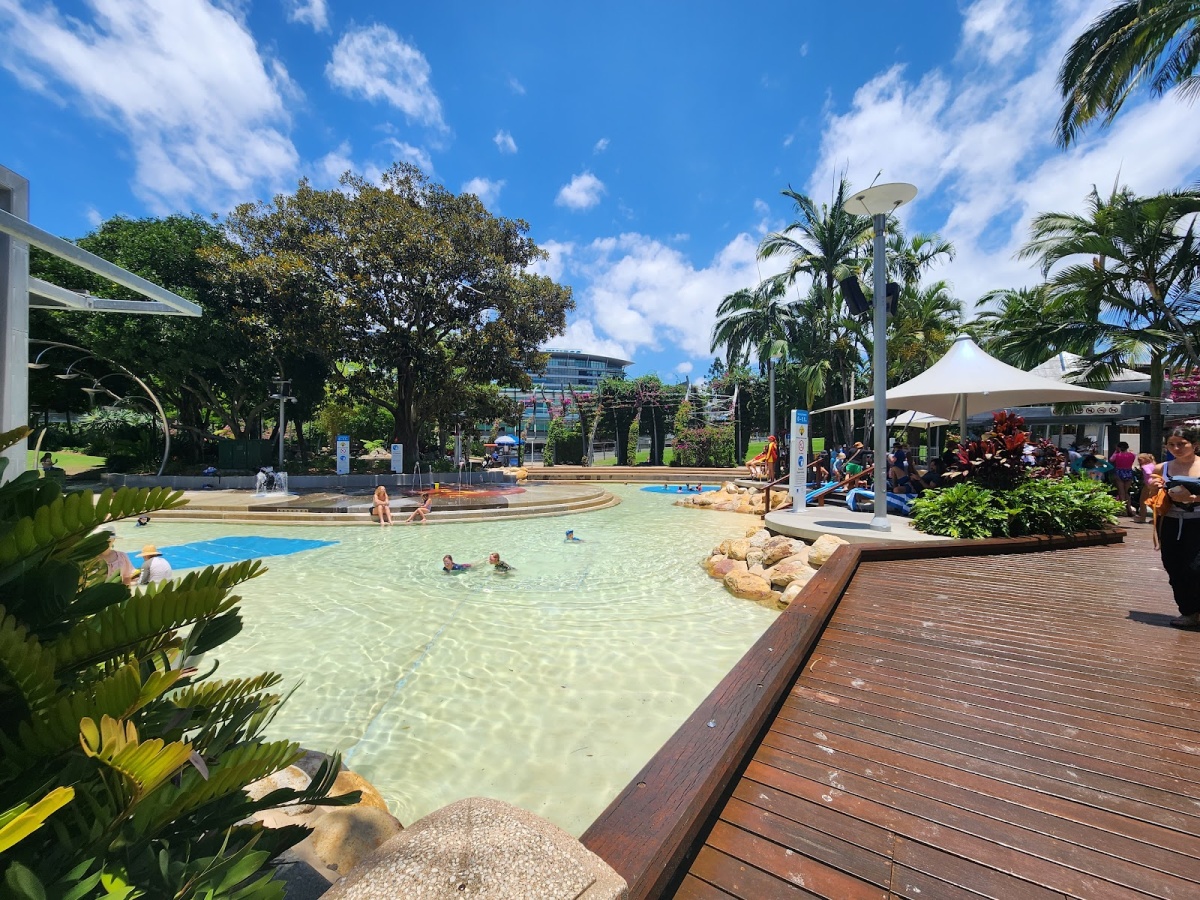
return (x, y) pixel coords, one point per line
(819, 496)
(649, 833)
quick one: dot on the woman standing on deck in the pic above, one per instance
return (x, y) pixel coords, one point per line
(1179, 523)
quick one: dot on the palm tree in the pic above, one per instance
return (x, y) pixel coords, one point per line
(1136, 43)
(827, 244)
(1014, 326)
(908, 258)
(927, 321)
(1124, 282)
(755, 321)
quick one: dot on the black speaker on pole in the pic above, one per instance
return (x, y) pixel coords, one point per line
(855, 299)
(893, 297)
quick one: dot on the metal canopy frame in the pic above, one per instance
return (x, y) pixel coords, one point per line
(19, 292)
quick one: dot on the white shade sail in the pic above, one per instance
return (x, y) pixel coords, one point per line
(967, 381)
(914, 419)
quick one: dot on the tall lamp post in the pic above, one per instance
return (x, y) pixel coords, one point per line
(284, 396)
(879, 202)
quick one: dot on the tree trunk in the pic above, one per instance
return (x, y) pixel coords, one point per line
(1154, 440)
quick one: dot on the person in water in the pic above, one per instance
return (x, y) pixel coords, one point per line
(499, 565)
(571, 539)
(143, 521)
(450, 567)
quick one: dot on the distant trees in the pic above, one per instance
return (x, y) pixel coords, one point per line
(413, 299)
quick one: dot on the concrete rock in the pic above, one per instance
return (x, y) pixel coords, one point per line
(790, 593)
(725, 565)
(292, 777)
(791, 569)
(738, 549)
(348, 781)
(776, 549)
(484, 849)
(344, 836)
(749, 587)
(823, 548)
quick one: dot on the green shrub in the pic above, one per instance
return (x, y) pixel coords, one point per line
(564, 444)
(1034, 506)
(964, 511)
(707, 446)
(121, 767)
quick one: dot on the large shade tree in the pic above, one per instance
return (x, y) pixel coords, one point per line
(424, 289)
(1135, 44)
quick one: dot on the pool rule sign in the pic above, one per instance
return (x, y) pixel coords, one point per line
(343, 454)
(798, 480)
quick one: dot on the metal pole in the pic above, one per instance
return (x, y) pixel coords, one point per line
(879, 521)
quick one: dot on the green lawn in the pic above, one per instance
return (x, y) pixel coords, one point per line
(72, 463)
(644, 456)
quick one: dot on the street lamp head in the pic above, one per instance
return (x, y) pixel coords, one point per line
(882, 198)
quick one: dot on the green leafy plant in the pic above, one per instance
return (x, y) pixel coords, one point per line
(964, 511)
(122, 767)
(1035, 506)
(564, 443)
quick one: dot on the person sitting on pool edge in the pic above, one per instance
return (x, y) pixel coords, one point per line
(450, 567)
(422, 510)
(499, 565)
(571, 539)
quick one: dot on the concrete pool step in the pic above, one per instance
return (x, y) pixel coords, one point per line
(519, 506)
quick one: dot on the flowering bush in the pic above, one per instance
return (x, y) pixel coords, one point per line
(996, 460)
(1185, 386)
(708, 445)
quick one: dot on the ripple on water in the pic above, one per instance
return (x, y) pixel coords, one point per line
(548, 688)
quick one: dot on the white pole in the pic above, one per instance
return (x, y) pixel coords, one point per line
(879, 521)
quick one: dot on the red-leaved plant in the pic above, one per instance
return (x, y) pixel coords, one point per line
(997, 460)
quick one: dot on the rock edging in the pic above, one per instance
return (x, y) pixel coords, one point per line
(734, 498)
(766, 568)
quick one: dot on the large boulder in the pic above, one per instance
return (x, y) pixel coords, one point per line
(794, 568)
(749, 587)
(823, 548)
(738, 549)
(758, 535)
(348, 781)
(790, 593)
(754, 557)
(720, 567)
(481, 848)
(344, 836)
(776, 549)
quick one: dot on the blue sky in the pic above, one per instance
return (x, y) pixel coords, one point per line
(645, 143)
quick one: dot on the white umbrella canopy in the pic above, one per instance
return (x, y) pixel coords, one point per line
(914, 419)
(967, 381)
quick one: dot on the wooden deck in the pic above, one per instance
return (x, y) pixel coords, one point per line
(1016, 726)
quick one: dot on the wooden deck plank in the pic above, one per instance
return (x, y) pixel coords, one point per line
(978, 726)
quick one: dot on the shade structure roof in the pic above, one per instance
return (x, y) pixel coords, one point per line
(967, 381)
(914, 419)
(1065, 366)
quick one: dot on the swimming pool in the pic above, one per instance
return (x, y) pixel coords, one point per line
(549, 687)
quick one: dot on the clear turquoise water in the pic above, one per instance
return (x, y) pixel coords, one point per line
(548, 688)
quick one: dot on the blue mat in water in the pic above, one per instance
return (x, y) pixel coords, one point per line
(230, 550)
(679, 489)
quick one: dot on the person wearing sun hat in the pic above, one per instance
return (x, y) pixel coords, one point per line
(854, 462)
(154, 567)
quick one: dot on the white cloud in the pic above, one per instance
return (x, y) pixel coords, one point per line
(582, 192)
(505, 142)
(333, 165)
(375, 63)
(636, 292)
(515, 86)
(486, 190)
(95, 219)
(601, 145)
(997, 29)
(684, 368)
(581, 335)
(203, 109)
(309, 12)
(553, 267)
(981, 144)
(804, 49)
(418, 156)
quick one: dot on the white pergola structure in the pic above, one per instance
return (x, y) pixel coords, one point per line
(19, 293)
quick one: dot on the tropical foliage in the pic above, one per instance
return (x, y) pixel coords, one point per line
(1135, 44)
(1036, 506)
(122, 766)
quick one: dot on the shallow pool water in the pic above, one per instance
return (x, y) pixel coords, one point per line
(548, 687)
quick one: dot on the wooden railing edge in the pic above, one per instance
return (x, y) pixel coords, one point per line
(649, 829)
